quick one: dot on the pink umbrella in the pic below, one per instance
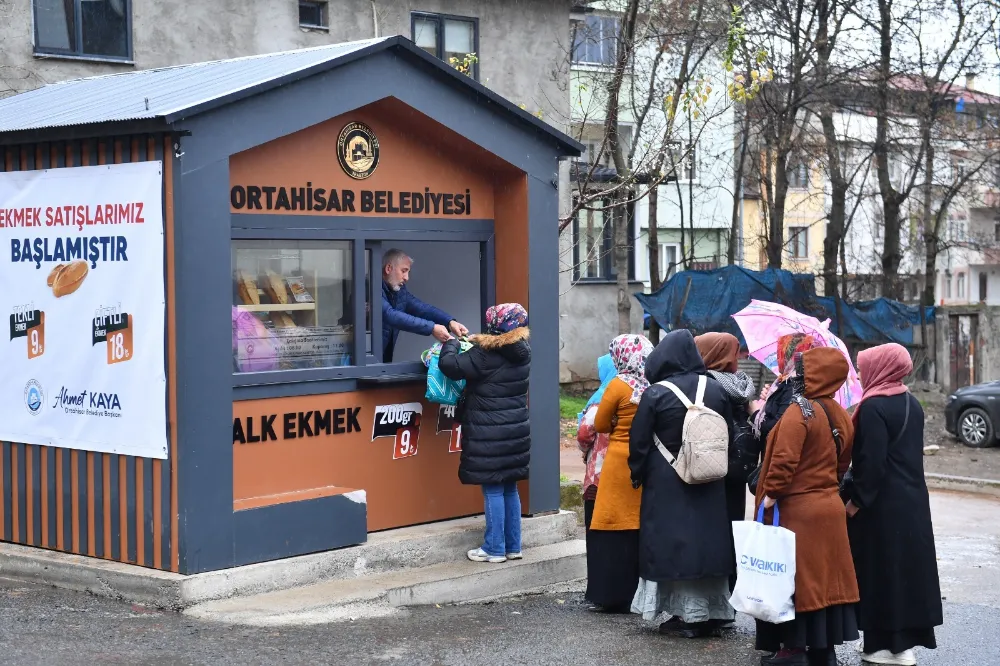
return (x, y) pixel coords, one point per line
(762, 323)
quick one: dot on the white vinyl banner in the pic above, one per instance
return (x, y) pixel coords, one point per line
(82, 284)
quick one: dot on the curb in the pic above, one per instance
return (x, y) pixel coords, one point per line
(963, 483)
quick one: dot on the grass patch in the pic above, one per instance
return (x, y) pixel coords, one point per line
(571, 405)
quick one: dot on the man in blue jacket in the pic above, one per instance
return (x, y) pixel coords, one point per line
(402, 311)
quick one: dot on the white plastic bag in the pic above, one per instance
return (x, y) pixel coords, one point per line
(765, 569)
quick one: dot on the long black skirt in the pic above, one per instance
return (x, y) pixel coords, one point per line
(899, 641)
(612, 568)
(820, 629)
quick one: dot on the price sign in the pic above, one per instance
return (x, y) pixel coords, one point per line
(30, 324)
(402, 423)
(446, 423)
(115, 330)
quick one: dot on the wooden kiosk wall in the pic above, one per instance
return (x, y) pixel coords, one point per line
(115, 507)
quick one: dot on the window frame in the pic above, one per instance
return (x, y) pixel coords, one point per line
(794, 234)
(440, 19)
(78, 54)
(660, 257)
(366, 233)
(324, 7)
(688, 165)
(574, 62)
(606, 266)
(803, 175)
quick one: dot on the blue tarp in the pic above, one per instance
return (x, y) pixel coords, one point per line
(717, 294)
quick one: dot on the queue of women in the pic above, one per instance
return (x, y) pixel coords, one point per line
(850, 487)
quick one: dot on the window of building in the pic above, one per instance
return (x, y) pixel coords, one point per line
(683, 163)
(84, 28)
(798, 242)
(593, 241)
(983, 284)
(292, 305)
(996, 231)
(596, 41)
(449, 38)
(669, 258)
(961, 285)
(947, 286)
(798, 175)
(313, 14)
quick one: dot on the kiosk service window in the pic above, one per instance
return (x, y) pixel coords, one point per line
(292, 305)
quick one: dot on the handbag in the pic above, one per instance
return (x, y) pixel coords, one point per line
(847, 483)
(765, 569)
(441, 389)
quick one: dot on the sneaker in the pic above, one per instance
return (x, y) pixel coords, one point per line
(480, 555)
(514, 556)
(906, 658)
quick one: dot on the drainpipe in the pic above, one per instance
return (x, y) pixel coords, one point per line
(375, 18)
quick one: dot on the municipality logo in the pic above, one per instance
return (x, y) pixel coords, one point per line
(34, 397)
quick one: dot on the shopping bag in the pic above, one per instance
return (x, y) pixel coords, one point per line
(765, 569)
(440, 389)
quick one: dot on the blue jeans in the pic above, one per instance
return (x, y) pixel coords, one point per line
(503, 518)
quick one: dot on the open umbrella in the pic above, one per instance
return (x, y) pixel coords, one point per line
(762, 323)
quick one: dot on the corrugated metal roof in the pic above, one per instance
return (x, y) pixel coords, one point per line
(159, 93)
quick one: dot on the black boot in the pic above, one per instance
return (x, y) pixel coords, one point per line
(785, 659)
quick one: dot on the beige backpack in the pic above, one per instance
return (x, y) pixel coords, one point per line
(704, 453)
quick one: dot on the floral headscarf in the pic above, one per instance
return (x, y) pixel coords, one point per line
(505, 317)
(789, 346)
(629, 353)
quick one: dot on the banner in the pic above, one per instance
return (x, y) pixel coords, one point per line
(82, 284)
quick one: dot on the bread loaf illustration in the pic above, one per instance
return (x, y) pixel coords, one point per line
(53, 274)
(247, 288)
(69, 278)
(276, 289)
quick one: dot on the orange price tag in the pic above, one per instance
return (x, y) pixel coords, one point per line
(406, 442)
(120, 344)
(36, 338)
(455, 442)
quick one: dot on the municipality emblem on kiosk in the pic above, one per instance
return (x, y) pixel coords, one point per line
(357, 150)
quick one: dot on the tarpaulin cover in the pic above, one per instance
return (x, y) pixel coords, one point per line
(716, 295)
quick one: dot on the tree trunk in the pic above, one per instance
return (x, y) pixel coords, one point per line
(734, 229)
(891, 199)
(930, 231)
(621, 267)
(776, 230)
(653, 245)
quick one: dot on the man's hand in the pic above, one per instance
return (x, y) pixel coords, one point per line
(852, 510)
(441, 333)
(769, 502)
(458, 329)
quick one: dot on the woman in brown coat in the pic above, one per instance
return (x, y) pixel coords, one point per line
(802, 466)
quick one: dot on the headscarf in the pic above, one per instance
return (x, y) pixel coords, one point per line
(606, 372)
(882, 371)
(719, 351)
(787, 348)
(629, 353)
(505, 317)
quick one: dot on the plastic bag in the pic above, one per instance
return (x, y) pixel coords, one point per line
(440, 389)
(765, 569)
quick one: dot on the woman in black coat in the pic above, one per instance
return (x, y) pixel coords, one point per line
(496, 434)
(892, 537)
(685, 536)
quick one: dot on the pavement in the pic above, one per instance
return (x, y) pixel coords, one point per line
(42, 625)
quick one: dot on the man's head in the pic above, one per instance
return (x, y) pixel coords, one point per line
(396, 268)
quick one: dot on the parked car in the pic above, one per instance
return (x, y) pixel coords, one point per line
(973, 414)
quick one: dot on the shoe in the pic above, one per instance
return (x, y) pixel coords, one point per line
(786, 658)
(905, 658)
(480, 555)
(691, 630)
(670, 626)
(515, 556)
(822, 657)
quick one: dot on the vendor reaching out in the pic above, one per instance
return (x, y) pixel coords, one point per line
(402, 311)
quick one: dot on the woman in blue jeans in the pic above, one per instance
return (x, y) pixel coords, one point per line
(496, 434)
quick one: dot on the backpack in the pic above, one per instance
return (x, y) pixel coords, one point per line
(704, 452)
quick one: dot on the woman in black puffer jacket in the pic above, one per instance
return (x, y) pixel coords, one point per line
(496, 434)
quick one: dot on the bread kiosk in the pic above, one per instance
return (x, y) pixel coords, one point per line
(283, 180)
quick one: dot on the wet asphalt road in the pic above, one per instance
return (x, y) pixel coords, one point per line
(46, 626)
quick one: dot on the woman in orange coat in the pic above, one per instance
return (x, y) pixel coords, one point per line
(613, 539)
(802, 466)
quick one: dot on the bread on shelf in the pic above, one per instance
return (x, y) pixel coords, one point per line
(276, 288)
(247, 288)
